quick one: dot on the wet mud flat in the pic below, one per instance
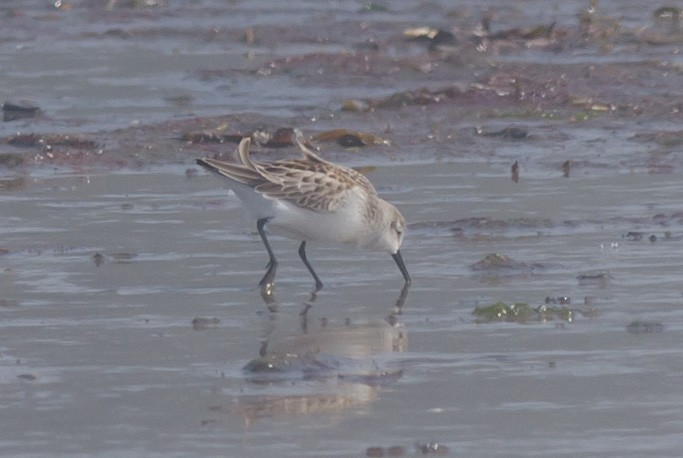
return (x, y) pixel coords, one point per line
(535, 150)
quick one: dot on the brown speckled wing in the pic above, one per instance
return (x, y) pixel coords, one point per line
(236, 172)
(317, 186)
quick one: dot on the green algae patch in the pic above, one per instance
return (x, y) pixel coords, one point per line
(500, 311)
(523, 313)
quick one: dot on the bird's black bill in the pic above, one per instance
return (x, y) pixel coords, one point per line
(402, 267)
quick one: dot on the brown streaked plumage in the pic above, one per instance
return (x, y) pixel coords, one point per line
(312, 199)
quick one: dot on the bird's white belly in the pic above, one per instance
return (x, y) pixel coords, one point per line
(284, 218)
(344, 226)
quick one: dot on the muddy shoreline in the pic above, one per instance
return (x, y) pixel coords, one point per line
(424, 87)
(535, 149)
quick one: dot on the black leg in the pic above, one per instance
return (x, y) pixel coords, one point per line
(302, 255)
(268, 279)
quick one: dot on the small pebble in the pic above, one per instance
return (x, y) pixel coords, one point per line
(201, 323)
(645, 327)
(28, 377)
(374, 451)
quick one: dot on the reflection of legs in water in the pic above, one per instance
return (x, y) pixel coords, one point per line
(303, 315)
(263, 349)
(402, 295)
(268, 296)
(398, 307)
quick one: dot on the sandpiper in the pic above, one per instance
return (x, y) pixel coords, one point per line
(311, 199)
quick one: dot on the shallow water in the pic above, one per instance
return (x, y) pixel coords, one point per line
(104, 268)
(119, 368)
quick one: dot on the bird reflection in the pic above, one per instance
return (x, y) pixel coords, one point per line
(312, 364)
(401, 298)
(268, 296)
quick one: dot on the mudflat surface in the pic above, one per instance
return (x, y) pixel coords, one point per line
(535, 150)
